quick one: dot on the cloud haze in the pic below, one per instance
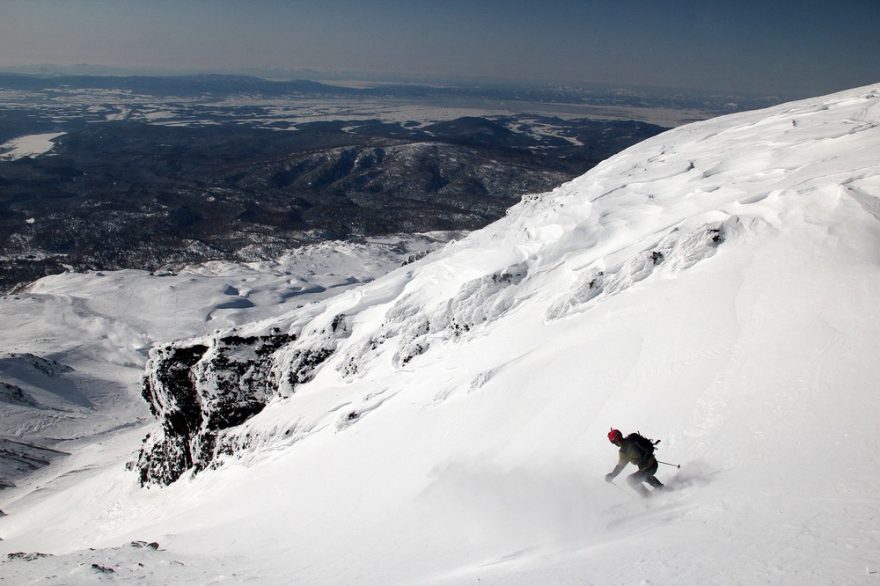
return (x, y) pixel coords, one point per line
(795, 48)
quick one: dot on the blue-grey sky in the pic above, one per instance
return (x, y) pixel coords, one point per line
(795, 48)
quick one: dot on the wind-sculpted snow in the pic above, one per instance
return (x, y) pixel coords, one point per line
(654, 212)
(414, 326)
(673, 253)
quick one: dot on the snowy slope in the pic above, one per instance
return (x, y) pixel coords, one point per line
(714, 286)
(74, 345)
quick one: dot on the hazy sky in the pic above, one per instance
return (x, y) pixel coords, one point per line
(796, 48)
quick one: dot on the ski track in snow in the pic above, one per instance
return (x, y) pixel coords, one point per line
(714, 286)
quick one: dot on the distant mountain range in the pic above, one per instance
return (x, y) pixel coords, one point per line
(195, 85)
(139, 176)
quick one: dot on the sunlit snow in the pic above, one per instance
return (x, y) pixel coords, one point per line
(714, 287)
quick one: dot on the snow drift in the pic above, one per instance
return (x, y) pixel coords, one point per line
(714, 286)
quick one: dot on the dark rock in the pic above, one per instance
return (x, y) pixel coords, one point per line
(103, 569)
(27, 556)
(198, 392)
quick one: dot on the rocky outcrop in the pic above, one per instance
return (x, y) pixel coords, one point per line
(199, 390)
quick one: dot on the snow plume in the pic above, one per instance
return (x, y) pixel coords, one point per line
(714, 287)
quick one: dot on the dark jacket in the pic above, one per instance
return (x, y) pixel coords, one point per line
(630, 453)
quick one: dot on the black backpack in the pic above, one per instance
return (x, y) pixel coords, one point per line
(643, 444)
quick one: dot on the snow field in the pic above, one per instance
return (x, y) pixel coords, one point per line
(31, 145)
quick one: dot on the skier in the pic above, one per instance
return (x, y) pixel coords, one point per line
(635, 449)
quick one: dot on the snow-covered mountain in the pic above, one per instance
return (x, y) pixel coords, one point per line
(714, 287)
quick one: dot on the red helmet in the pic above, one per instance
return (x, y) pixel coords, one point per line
(614, 435)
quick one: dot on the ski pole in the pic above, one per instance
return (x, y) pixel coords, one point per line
(668, 464)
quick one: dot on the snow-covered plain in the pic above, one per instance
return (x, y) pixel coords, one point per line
(714, 287)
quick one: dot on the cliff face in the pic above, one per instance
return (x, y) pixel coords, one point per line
(198, 390)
